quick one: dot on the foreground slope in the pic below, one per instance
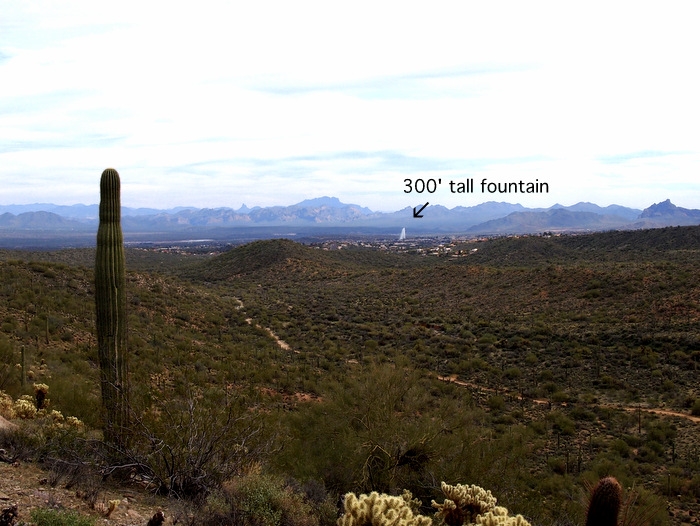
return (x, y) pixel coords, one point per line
(556, 351)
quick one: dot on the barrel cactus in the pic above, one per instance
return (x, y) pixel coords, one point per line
(110, 308)
(604, 504)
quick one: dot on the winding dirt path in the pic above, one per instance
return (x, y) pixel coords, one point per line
(453, 379)
(279, 341)
(661, 412)
(657, 411)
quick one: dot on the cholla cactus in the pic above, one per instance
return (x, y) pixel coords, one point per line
(40, 392)
(72, 421)
(7, 404)
(56, 416)
(113, 505)
(499, 517)
(25, 408)
(463, 504)
(378, 509)
(467, 505)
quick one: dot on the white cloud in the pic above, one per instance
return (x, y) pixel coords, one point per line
(227, 99)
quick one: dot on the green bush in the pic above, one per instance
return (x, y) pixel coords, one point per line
(50, 517)
(562, 423)
(621, 447)
(496, 403)
(695, 408)
(265, 500)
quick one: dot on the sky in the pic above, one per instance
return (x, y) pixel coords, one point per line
(264, 103)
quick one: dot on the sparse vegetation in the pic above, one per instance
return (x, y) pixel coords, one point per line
(50, 517)
(530, 368)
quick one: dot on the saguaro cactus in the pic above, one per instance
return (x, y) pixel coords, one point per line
(110, 308)
(23, 368)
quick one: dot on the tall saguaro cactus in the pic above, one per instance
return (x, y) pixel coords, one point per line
(110, 308)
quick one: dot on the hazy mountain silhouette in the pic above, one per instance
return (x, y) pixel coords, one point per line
(486, 218)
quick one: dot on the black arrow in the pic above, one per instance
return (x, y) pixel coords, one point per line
(418, 213)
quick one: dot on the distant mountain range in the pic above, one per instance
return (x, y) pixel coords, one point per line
(483, 219)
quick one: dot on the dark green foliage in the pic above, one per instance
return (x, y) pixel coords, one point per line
(51, 517)
(558, 337)
(374, 431)
(110, 308)
(268, 500)
(695, 408)
(7, 361)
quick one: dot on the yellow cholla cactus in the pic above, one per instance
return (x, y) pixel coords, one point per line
(113, 504)
(40, 392)
(463, 504)
(499, 517)
(24, 408)
(378, 509)
(72, 421)
(6, 405)
(473, 505)
(56, 416)
(41, 388)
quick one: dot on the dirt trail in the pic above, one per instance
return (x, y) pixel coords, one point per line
(657, 411)
(279, 341)
(662, 412)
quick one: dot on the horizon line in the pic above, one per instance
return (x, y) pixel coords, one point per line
(229, 207)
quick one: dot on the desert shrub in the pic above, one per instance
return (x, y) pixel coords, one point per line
(77, 395)
(189, 447)
(621, 447)
(51, 517)
(695, 408)
(562, 423)
(581, 414)
(660, 431)
(8, 358)
(694, 486)
(647, 454)
(324, 505)
(512, 373)
(258, 500)
(496, 403)
(557, 465)
(261, 500)
(561, 397)
(21, 443)
(372, 432)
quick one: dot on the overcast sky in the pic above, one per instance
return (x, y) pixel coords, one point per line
(269, 103)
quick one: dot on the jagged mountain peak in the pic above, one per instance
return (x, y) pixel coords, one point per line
(329, 202)
(662, 208)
